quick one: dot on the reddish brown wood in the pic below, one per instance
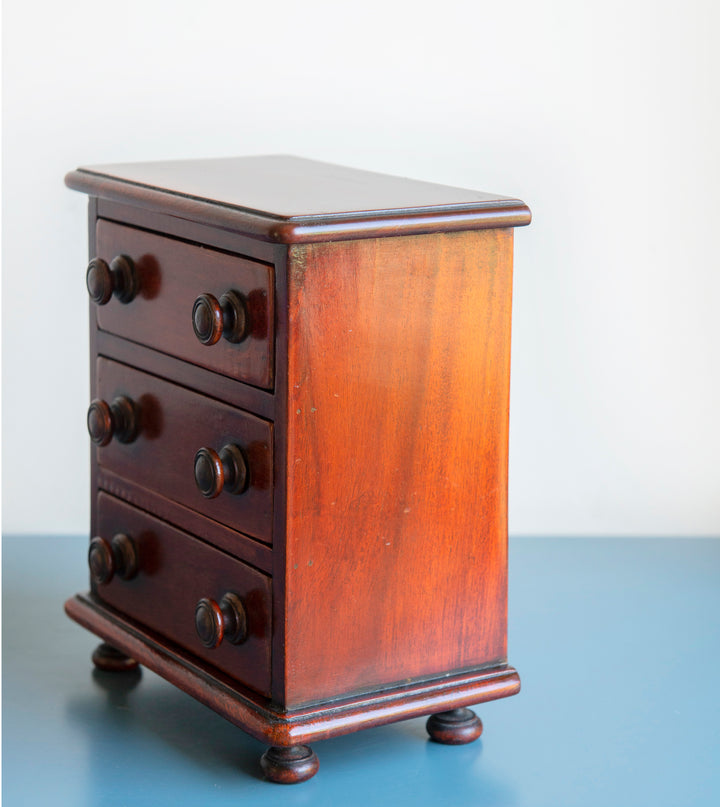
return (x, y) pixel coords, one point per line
(214, 319)
(100, 560)
(92, 219)
(215, 623)
(293, 200)
(120, 420)
(176, 571)
(172, 274)
(119, 279)
(287, 187)
(271, 723)
(288, 766)
(224, 471)
(207, 319)
(108, 558)
(399, 363)
(243, 547)
(243, 396)
(456, 727)
(109, 659)
(174, 424)
(194, 231)
(100, 422)
(373, 441)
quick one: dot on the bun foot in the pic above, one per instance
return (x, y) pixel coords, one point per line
(289, 765)
(110, 659)
(456, 727)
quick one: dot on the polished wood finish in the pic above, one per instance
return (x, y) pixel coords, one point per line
(120, 420)
(270, 722)
(217, 472)
(190, 230)
(106, 559)
(293, 200)
(288, 187)
(289, 765)
(109, 659)
(172, 274)
(456, 727)
(174, 424)
(235, 543)
(215, 622)
(315, 492)
(207, 319)
(243, 396)
(399, 369)
(226, 317)
(119, 279)
(175, 572)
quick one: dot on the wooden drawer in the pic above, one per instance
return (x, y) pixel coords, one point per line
(174, 572)
(171, 275)
(173, 424)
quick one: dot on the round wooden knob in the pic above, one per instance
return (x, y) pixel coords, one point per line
(227, 620)
(119, 419)
(215, 472)
(119, 278)
(118, 557)
(213, 318)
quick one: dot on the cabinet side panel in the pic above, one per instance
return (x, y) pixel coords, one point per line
(399, 364)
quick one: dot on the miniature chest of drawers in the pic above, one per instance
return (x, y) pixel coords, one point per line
(300, 381)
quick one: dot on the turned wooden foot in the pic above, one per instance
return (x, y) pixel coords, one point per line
(110, 659)
(457, 727)
(289, 765)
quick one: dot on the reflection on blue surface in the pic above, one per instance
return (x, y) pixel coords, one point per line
(617, 643)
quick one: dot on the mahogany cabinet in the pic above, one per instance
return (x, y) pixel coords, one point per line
(300, 380)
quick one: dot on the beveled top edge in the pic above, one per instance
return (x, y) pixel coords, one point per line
(291, 199)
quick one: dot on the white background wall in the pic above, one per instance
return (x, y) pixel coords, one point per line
(603, 117)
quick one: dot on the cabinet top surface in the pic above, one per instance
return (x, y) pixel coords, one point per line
(294, 199)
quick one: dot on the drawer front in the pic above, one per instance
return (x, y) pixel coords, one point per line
(173, 424)
(172, 275)
(174, 572)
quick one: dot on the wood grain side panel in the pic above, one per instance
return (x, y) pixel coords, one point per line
(398, 377)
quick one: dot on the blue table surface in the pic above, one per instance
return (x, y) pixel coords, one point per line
(617, 643)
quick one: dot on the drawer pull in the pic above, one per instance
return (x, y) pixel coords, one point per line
(120, 279)
(119, 419)
(213, 318)
(118, 557)
(215, 472)
(214, 622)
